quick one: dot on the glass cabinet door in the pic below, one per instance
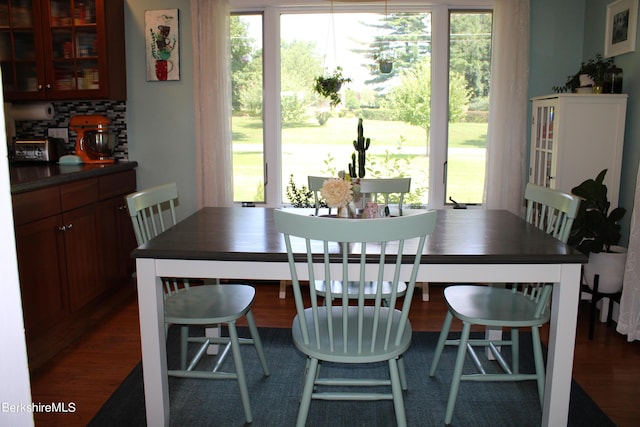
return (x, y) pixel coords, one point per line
(71, 47)
(19, 46)
(542, 169)
(49, 49)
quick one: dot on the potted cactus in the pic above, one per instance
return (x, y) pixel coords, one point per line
(361, 144)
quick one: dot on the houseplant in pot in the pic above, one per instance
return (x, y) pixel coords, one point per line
(590, 76)
(329, 85)
(596, 233)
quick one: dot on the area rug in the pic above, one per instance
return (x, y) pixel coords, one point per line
(275, 399)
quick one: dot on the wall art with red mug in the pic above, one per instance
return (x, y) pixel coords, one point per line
(162, 44)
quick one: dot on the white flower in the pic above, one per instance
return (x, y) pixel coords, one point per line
(336, 192)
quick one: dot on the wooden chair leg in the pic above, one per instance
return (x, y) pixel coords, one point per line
(425, 290)
(283, 289)
(441, 343)
(457, 373)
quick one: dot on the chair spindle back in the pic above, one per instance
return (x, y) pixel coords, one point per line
(358, 250)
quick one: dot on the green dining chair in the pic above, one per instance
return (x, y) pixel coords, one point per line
(381, 190)
(344, 330)
(521, 306)
(152, 212)
(315, 184)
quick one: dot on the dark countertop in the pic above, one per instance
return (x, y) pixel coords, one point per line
(32, 176)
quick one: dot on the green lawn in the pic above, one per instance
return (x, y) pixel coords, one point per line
(306, 147)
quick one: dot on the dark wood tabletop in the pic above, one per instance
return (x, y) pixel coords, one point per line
(461, 237)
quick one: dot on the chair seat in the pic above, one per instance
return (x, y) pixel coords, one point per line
(369, 288)
(350, 353)
(209, 304)
(492, 306)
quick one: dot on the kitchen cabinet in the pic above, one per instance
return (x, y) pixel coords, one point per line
(116, 236)
(574, 137)
(73, 246)
(62, 49)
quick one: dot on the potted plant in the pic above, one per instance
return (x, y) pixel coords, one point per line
(596, 233)
(596, 69)
(384, 61)
(591, 73)
(328, 86)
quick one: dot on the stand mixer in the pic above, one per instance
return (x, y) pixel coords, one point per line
(94, 142)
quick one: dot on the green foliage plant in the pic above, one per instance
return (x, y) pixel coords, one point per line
(595, 229)
(328, 86)
(300, 197)
(594, 68)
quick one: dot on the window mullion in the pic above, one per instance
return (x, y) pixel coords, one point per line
(439, 105)
(271, 107)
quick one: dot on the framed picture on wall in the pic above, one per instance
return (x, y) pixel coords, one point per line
(162, 38)
(620, 29)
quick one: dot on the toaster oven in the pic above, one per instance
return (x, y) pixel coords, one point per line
(34, 150)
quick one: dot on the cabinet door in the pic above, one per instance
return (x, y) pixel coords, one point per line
(543, 145)
(84, 49)
(84, 275)
(117, 241)
(21, 61)
(42, 274)
(66, 49)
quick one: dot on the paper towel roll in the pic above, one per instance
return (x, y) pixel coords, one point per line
(39, 111)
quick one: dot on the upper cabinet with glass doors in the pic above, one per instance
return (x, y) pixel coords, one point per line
(62, 49)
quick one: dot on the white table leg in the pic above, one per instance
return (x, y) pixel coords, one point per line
(152, 336)
(562, 334)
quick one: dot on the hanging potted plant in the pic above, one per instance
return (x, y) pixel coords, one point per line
(596, 233)
(385, 62)
(328, 86)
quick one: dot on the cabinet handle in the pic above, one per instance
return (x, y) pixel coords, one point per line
(121, 207)
(65, 227)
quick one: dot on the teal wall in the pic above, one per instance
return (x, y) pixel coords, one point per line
(160, 121)
(595, 18)
(556, 39)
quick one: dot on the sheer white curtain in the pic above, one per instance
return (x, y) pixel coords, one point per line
(508, 119)
(212, 98)
(629, 318)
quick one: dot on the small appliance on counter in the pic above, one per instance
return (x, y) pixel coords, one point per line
(95, 143)
(39, 150)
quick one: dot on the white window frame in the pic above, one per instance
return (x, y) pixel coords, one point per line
(272, 9)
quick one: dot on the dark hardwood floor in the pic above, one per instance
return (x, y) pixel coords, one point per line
(91, 368)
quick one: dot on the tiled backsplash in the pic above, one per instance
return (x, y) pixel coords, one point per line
(114, 110)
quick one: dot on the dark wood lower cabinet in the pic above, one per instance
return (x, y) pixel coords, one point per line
(42, 274)
(73, 243)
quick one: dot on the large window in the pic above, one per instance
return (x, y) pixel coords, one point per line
(284, 131)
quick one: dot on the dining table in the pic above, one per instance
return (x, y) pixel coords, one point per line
(467, 246)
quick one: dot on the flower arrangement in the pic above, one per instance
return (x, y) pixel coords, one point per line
(337, 192)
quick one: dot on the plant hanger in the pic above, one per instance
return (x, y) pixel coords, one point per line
(329, 84)
(385, 62)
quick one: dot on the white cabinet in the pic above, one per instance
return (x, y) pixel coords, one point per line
(574, 137)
